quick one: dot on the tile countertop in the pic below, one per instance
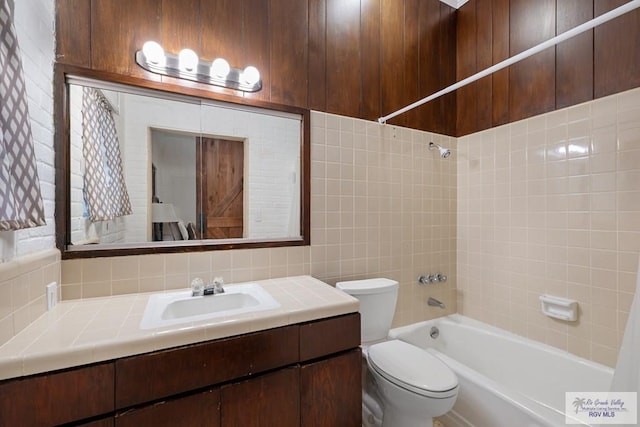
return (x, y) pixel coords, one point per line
(79, 332)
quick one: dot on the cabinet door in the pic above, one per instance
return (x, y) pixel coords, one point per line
(198, 410)
(265, 401)
(331, 391)
(57, 398)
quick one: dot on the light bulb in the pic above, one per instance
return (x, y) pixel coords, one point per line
(188, 60)
(220, 68)
(153, 52)
(251, 75)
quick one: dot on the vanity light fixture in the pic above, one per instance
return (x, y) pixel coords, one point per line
(187, 65)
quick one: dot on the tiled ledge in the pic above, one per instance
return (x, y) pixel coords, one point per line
(97, 329)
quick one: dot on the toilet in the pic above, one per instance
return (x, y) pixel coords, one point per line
(404, 386)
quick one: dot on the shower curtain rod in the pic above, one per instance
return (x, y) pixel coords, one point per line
(621, 10)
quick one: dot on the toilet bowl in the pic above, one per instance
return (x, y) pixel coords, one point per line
(405, 386)
(414, 385)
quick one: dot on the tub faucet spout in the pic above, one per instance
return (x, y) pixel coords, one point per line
(435, 303)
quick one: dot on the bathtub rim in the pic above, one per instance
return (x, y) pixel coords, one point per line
(461, 319)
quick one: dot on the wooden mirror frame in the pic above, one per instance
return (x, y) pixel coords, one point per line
(63, 169)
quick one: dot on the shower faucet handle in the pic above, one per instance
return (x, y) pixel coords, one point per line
(431, 278)
(426, 280)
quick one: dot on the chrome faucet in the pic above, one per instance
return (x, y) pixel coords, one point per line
(198, 288)
(435, 303)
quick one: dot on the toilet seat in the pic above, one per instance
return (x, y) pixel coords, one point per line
(413, 369)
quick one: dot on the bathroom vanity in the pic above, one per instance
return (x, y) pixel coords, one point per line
(305, 372)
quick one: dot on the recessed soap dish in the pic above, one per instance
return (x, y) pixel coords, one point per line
(559, 308)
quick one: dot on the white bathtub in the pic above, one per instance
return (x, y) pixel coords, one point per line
(505, 380)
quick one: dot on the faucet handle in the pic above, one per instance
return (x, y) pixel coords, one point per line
(441, 277)
(197, 287)
(218, 283)
(425, 280)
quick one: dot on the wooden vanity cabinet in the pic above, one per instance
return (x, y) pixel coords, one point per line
(302, 375)
(306, 374)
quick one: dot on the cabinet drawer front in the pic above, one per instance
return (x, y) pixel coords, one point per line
(157, 375)
(324, 337)
(201, 409)
(57, 398)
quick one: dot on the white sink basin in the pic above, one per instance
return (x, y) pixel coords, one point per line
(180, 307)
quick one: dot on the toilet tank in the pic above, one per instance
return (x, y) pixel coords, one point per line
(377, 305)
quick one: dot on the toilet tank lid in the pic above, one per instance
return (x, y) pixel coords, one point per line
(367, 286)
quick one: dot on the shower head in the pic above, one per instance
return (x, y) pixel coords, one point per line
(444, 152)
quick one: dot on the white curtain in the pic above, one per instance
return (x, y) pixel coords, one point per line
(105, 192)
(20, 199)
(627, 373)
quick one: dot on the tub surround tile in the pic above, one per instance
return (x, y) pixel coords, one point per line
(90, 330)
(569, 221)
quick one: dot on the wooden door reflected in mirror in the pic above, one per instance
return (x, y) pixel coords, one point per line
(220, 188)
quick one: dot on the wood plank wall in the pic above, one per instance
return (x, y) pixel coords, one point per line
(597, 63)
(358, 58)
(367, 58)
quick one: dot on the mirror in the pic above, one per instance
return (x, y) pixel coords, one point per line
(151, 171)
